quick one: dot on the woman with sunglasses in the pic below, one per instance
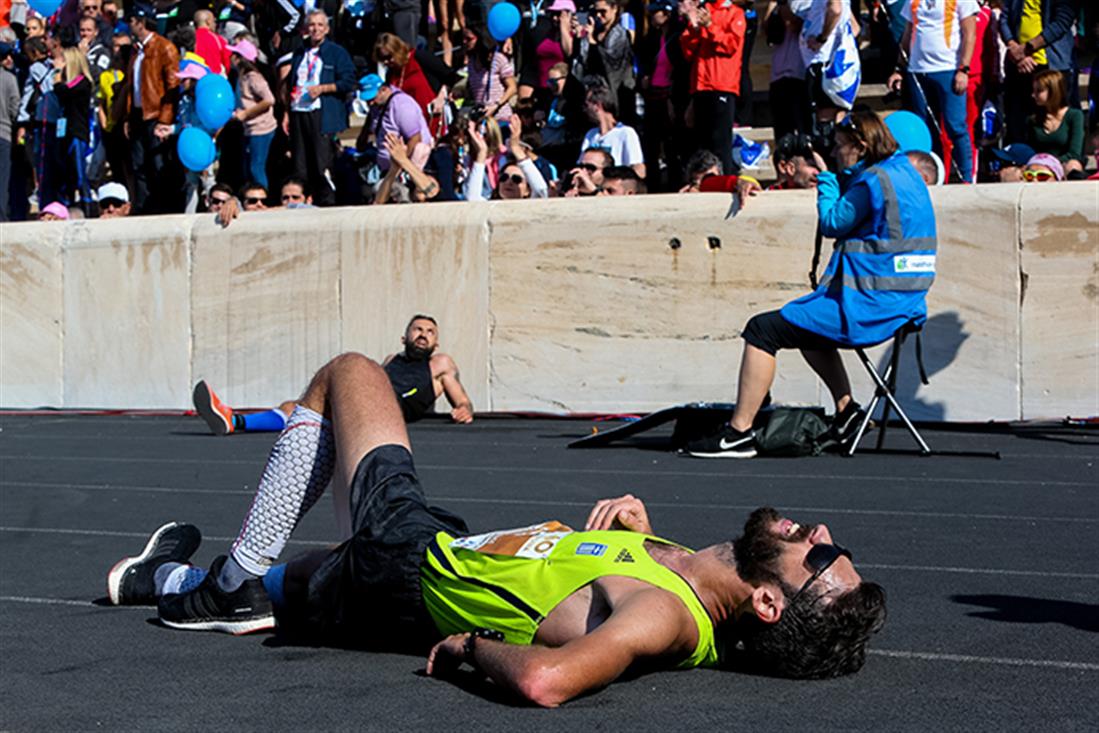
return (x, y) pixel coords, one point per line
(607, 54)
(879, 212)
(1043, 168)
(519, 178)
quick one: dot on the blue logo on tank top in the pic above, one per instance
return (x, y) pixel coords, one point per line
(591, 548)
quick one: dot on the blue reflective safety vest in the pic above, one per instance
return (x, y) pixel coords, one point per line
(879, 274)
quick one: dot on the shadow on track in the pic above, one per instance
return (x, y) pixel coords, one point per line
(1028, 610)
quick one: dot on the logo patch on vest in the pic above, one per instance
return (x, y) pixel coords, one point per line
(591, 548)
(624, 556)
(914, 263)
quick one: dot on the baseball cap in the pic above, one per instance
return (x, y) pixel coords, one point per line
(1014, 154)
(191, 70)
(115, 191)
(246, 49)
(559, 5)
(369, 86)
(56, 208)
(141, 10)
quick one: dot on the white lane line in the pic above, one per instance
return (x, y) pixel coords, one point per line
(141, 535)
(816, 477)
(1006, 661)
(560, 503)
(319, 543)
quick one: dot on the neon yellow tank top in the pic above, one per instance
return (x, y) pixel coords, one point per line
(511, 579)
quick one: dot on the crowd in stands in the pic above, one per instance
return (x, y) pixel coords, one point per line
(105, 105)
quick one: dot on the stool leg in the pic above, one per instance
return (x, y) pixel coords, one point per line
(890, 380)
(908, 424)
(870, 409)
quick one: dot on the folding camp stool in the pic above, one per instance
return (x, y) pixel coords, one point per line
(887, 384)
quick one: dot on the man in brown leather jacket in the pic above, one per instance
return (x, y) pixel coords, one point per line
(151, 95)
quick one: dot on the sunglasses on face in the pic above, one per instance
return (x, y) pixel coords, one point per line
(551, 80)
(108, 204)
(820, 558)
(514, 178)
(218, 202)
(1038, 176)
(590, 167)
(253, 200)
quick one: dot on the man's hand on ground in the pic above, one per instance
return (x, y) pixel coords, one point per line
(462, 414)
(447, 655)
(622, 512)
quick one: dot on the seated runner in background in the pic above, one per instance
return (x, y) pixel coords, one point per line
(419, 376)
(544, 611)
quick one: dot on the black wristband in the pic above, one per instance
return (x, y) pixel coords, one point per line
(470, 644)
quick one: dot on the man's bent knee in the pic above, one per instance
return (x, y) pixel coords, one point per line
(341, 366)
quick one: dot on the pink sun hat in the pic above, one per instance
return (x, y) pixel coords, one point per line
(559, 5)
(56, 208)
(246, 49)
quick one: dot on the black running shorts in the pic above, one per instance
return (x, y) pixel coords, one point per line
(367, 592)
(770, 332)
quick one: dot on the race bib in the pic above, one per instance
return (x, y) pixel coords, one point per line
(533, 542)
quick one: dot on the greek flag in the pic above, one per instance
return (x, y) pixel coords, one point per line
(843, 73)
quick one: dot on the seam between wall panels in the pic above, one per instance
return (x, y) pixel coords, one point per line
(1022, 284)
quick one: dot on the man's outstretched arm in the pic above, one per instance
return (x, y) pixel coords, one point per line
(446, 371)
(648, 626)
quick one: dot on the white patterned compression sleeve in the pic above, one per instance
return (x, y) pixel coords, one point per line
(298, 469)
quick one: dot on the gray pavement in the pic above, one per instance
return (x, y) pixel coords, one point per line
(989, 565)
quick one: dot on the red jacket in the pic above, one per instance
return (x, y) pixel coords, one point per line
(715, 51)
(212, 48)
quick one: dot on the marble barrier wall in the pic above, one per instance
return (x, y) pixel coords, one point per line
(564, 305)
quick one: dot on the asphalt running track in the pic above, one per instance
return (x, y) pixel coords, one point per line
(990, 568)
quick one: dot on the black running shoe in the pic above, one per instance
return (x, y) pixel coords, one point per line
(130, 581)
(726, 442)
(209, 608)
(846, 423)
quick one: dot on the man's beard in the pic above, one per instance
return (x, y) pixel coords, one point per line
(413, 352)
(758, 549)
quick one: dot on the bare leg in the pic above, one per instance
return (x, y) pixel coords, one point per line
(355, 393)
(829, 367)
(286, 408)
(757, 373)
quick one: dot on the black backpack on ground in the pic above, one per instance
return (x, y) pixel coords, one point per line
(794, 431)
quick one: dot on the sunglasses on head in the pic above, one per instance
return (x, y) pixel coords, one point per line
(514, 178)
(1038, 176)
(820, 558)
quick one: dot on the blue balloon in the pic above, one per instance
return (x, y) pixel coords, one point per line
(196, 149)
(503, 21)
(909, 131)
(45, 8)
(214, 101)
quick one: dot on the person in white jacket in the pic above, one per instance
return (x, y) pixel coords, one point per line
(519, 178)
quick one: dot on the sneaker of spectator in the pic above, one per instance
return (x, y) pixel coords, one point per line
(1011, 161)
(797, 164)
(587, 177)
(114, 201)
(620, 140)
(55, 211)
(621, 180)
(1043, 168)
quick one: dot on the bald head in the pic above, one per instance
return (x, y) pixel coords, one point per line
(204, 19)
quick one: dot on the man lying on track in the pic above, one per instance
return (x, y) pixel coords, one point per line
(545, 611)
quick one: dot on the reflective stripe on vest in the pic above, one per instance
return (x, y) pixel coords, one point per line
(882, 282)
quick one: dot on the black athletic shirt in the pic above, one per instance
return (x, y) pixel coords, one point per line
(413, 384)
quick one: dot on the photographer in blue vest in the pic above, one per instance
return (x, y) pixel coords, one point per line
(879, 212)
